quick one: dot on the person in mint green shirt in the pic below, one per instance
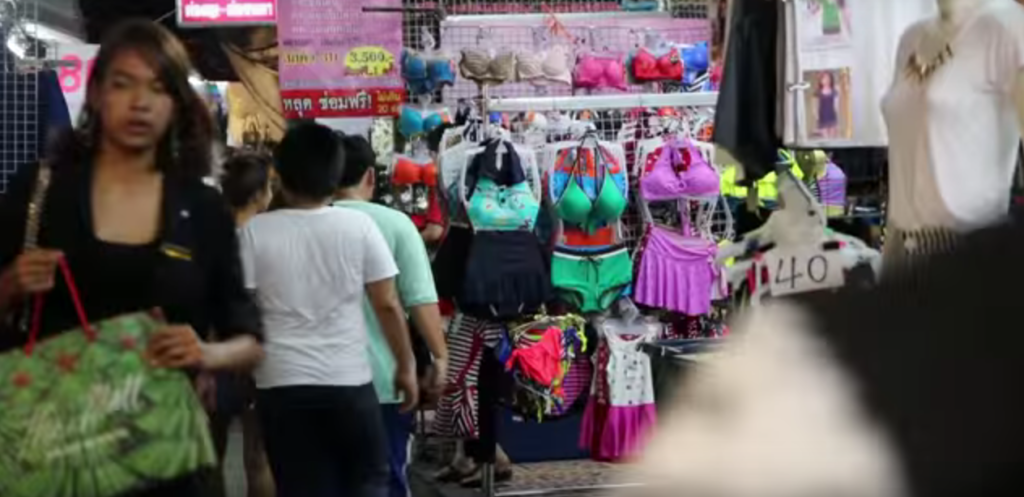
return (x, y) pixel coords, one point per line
(415, 285)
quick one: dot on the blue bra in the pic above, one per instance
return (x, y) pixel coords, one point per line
(413, 123)
(426, 75)
(696, 61)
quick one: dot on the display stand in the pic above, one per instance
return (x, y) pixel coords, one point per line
(567, 104)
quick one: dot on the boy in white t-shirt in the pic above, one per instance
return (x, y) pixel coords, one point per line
(310, 266)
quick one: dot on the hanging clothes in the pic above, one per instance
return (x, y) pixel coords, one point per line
(506, 271)
(745, 117)
(621, 411)
(468, 339)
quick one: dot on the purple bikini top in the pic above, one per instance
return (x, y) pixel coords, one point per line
(678, 174)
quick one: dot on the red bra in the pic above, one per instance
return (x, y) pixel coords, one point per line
(409, 172)
(648, 69)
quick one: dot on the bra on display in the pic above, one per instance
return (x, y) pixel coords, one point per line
(499, 198)
(595, 71)
(426, 75)
(542, 68)
(478, 65)
(413, 122)
(406, 171)
(648, 68)
(679, 174)
(576, 206)
(696, 61)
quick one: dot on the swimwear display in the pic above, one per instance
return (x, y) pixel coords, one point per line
(648, 68)
(413, 122)
(478, 66)
(406, 171)
(676, 272)
(547, 67)
(574, 205)
(595, 71)
(425, 75)
(591, 281)
(679, 174)
(506, 274)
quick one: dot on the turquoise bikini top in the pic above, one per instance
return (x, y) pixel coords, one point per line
(499, 198)
(575, 206)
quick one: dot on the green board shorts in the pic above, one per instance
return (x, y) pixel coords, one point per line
(590, 281)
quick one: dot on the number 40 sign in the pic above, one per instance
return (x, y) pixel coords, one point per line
(803, 270)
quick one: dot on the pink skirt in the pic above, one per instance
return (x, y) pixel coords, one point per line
(676, 272)
(616, 433)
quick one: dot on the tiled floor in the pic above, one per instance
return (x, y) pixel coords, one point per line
(234, 471)
(557, 478)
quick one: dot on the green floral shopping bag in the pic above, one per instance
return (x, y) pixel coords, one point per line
(84, 415)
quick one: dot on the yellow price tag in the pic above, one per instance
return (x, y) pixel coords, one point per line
(371, 61)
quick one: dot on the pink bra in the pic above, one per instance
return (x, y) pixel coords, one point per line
(600, 71)
(679, 173)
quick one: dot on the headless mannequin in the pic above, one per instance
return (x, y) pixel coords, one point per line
(951, 15)
(951, 70)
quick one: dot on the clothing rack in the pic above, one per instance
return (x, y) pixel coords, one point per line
(591, 102)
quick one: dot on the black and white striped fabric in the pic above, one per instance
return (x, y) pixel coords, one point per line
(906, 251)
(457, 411)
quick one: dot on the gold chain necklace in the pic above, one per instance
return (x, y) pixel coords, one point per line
(932, 52)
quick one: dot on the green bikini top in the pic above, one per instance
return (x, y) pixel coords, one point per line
(575, 206)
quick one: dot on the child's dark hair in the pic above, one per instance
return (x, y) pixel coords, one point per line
(310, 160)
(246, 175)
(359, 157)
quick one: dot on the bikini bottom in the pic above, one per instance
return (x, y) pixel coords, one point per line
(505, 276)
(676, 272)
(590, 281)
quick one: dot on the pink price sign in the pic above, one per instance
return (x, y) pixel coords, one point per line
(206, 13)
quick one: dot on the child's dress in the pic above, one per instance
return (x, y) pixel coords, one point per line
(621, 409)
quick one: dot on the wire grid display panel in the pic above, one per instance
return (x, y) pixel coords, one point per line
(19, 91)
(421, 16)
(608, 123)
(611, 35)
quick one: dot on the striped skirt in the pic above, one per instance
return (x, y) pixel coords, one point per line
(468, 339)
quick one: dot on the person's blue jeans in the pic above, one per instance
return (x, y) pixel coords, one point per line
(399, 427)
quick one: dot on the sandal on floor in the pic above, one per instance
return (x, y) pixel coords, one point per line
(476, 479)
(452, 474)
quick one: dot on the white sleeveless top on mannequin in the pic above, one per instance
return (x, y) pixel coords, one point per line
(953, 138)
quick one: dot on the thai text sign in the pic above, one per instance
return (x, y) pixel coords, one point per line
(204, 13)
(340, 59)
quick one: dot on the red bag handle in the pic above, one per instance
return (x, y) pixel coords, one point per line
(76, 299)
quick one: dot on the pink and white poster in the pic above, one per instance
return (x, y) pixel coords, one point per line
(340, 59)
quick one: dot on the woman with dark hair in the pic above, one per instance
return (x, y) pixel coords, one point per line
(128, 210)
(246, 186)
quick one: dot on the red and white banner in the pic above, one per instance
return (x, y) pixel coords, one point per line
(206, 13)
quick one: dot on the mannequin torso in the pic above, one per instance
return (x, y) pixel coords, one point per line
(954, 114)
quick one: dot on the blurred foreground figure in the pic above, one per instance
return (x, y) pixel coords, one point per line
(913, 389)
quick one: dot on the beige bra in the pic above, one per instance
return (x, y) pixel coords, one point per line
(545, 68)
(477, 65)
